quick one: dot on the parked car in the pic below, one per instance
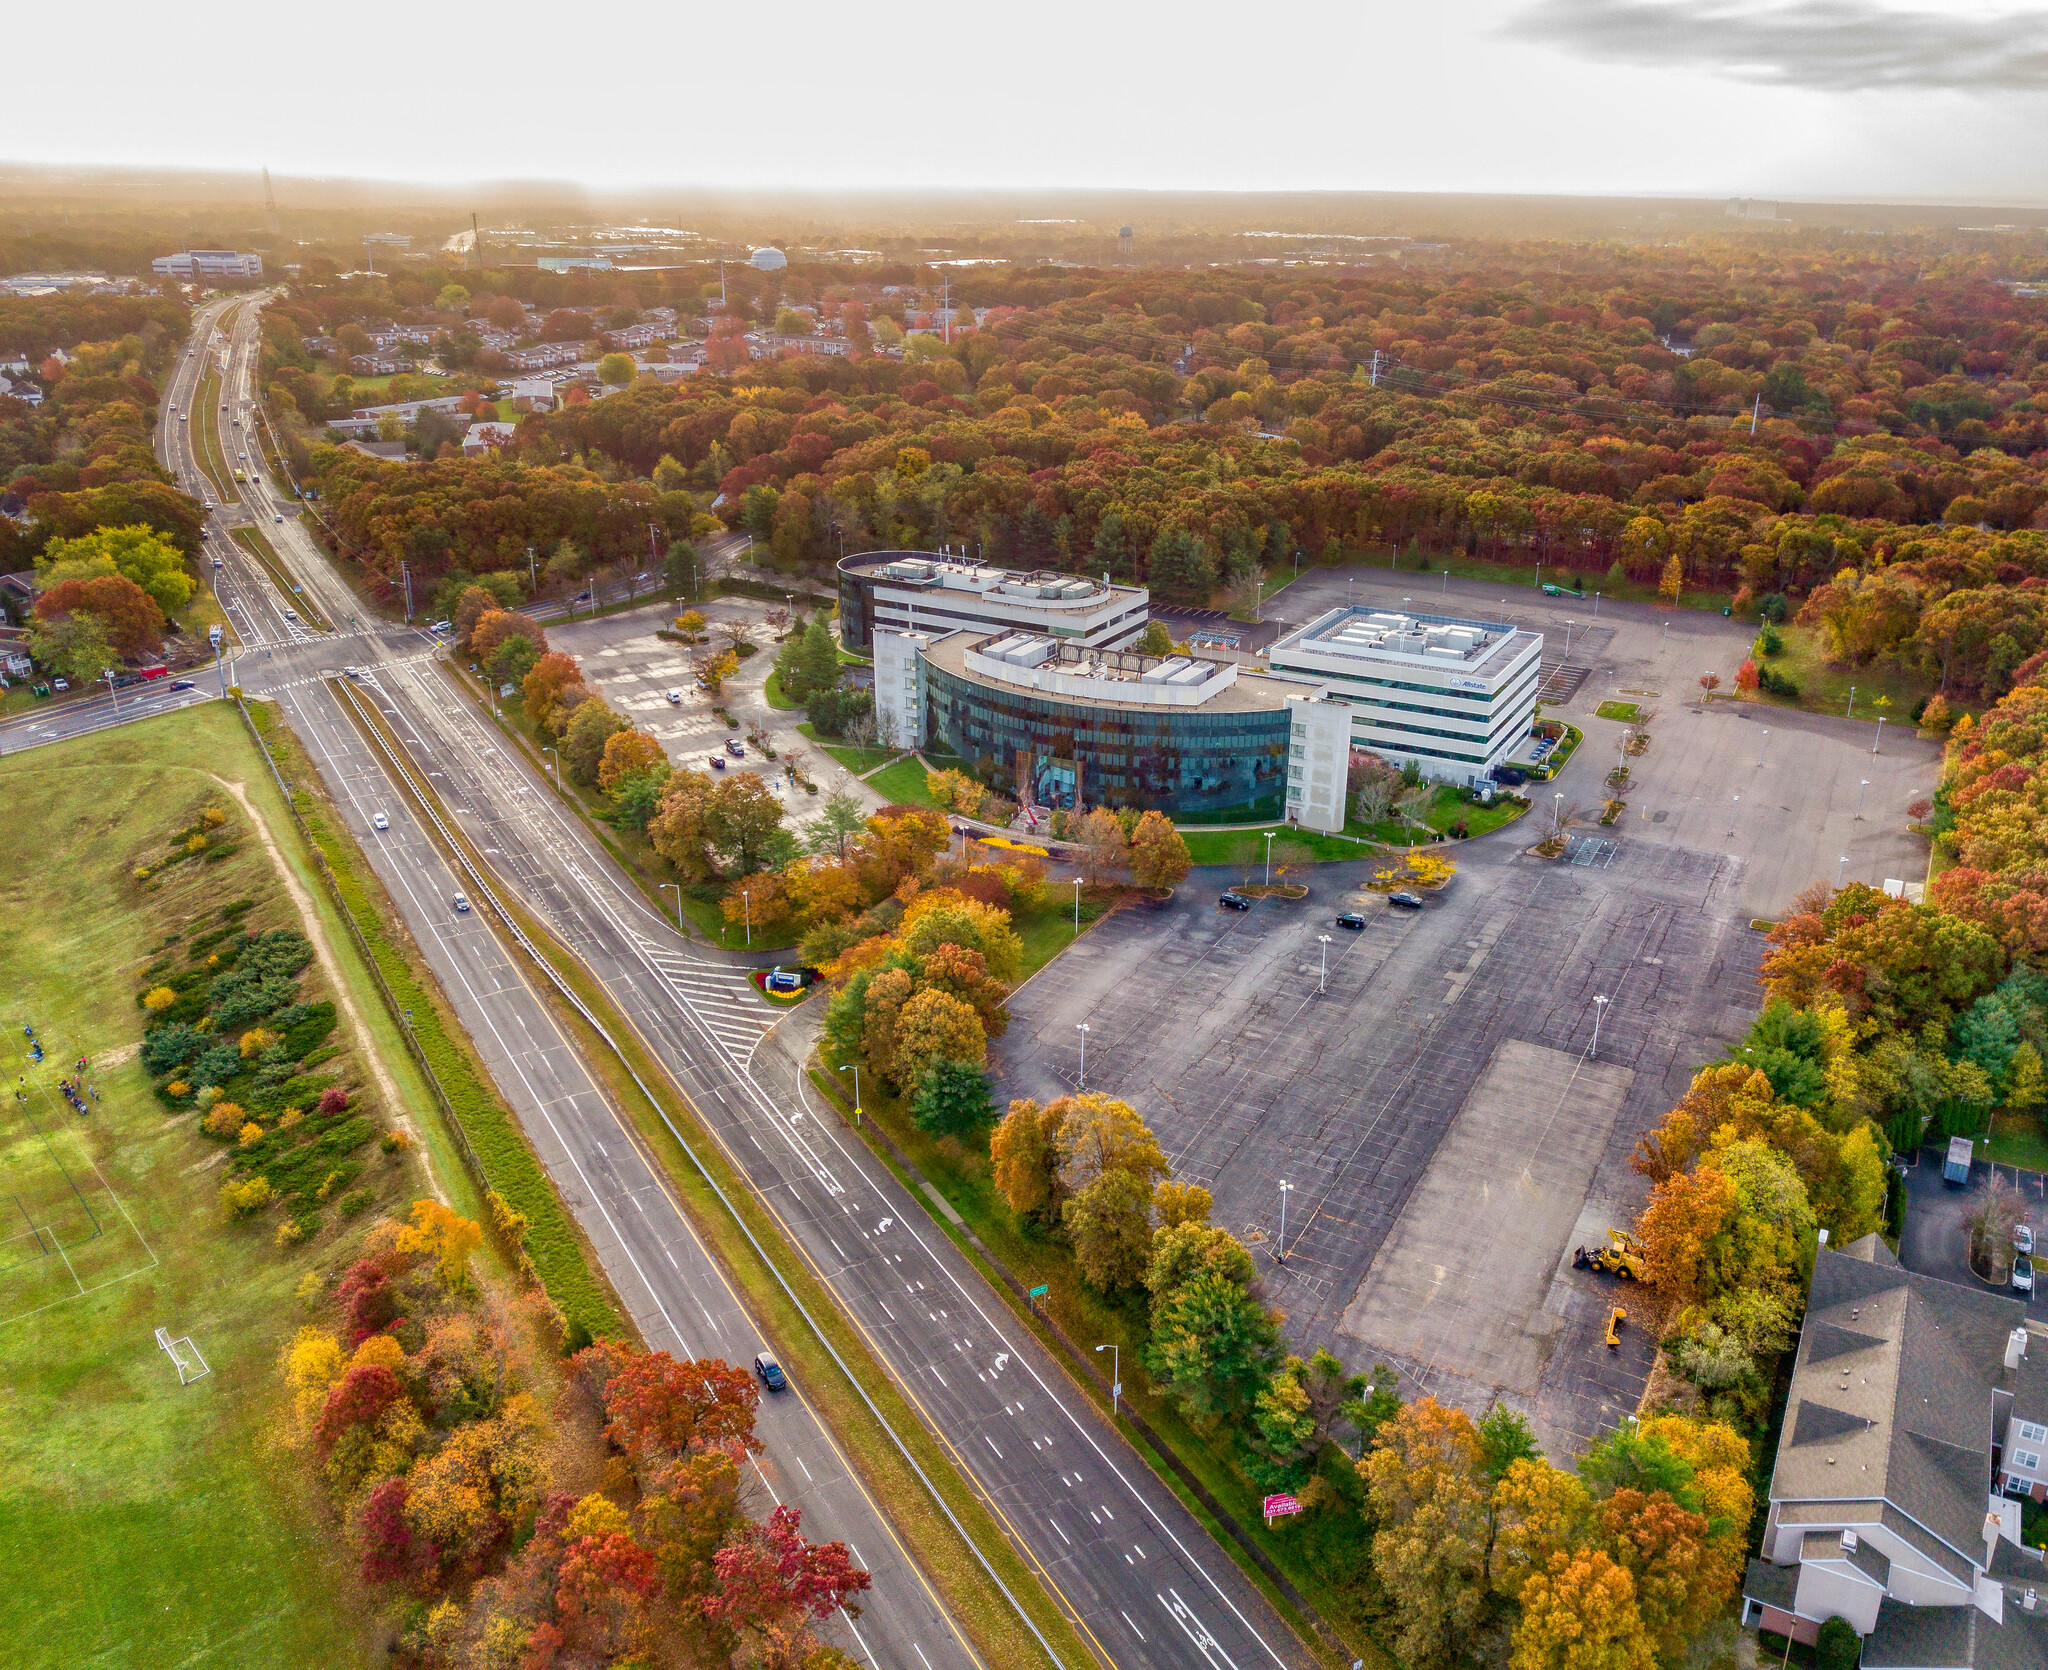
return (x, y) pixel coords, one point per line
(2023, 1238)
(2023, 1275)
(461, 905)
(1406, 901)
(1236, 901)
(770, 1372)
(675, 698)
(1352, 920)
(735, 748)
(380, 821)
(717, 762)
(60, 684)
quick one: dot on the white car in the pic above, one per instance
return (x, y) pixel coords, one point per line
(675, 698)
(380, 821)
(2023, 1238)
(461, 905)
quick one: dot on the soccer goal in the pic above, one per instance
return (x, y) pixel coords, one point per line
(184, 1357)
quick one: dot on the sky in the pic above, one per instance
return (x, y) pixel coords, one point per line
(1860, 99)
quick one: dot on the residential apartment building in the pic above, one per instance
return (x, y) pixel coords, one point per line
(1909, 1429)
(545, 355)
(916, 591)
(1455, 696)
(208, 263)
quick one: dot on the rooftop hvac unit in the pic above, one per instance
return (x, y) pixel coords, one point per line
(1000, 649)
(1189, 676)
(909, 571)
(1029, 652)
(1443, 652)
(1076, 589)
(1388, 623)
(1164, 671)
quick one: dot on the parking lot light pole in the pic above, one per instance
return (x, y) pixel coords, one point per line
(1269, 856)
(671, 887)
(1599, 1014)
(1880, 734)
(1556, 813)
(747, 909)
(1077, 907)
(1849, 712)
(854, 1069)
(557, 758)
(1116, 1378)
(1841, 864)
(1082, 1028)
(1323, 981)
(1862, 789)
(1762, 746)
(1735, 802)
(1280, 1252)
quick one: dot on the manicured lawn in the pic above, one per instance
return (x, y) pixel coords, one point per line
(902, 784)
(1247, 847)
(776, 699)
(1526, 574)
(2017, 1139)
(1627, 712)
(859, 761)
(1825, 689)
(145, 1522)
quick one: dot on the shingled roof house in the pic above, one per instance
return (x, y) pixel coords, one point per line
(1918, 1412)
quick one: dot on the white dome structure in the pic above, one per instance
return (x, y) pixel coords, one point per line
(768, 260)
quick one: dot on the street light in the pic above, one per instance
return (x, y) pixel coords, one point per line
(854, 1069)
(1596, 605)
(1280, 1251)
(1761, 746)
(1568, 625)
(1737, 801)
(1116, 1380)
(1323, 982)
(1077, 907)
(671, 887)
(1556, 813)
(114, 694)
(1862, 789)
(1850, 711)
(1599, 1014)
(747, 907)
(1269, 856)
(1841, 864)
(1082, 1028)
(1880, 734)
(558, 767)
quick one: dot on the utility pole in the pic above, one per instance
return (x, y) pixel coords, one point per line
(532, 573)
(1375, 368)
(405, 574)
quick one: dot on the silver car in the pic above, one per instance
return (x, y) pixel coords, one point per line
(2023, 1274)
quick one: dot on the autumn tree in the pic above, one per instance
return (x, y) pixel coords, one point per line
(626, 752)
(444, 1236)
(936, 1026)
(1580, 1614)
(1159, 858)
(590, 732)
(136, 552)
(658, 1407)
(773, 1583)
(1213, 1343)
(1422, 1479)
(553, 673)
(741, 817)
(1025, 1159)
(1103, 848)
(133, 623)
(74, 645)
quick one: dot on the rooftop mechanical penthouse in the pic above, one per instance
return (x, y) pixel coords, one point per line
(915, 591)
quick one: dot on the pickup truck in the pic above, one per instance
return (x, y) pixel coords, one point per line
(1957, 1168)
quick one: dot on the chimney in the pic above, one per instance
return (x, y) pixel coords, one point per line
(2015, 1348)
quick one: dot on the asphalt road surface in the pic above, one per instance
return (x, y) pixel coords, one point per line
(1135, 1570)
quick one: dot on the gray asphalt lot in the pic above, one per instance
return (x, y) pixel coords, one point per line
(1934, 1241)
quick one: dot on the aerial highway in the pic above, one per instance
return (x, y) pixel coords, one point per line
(1138, 1575)
(675, 1290)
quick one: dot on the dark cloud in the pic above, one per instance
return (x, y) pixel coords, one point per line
(1836, 46)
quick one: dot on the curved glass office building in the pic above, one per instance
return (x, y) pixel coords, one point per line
(1059, 725)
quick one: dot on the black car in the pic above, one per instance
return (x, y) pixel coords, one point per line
(736, 749)
(181, 684)
(770, 1372)
(1236, 901)
(1352, 920)
(1407, 901)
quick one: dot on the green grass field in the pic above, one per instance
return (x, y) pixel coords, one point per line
(147, 1523)
(902, 784)
(1823, 688)
(859, 761)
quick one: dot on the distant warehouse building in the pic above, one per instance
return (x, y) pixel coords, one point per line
(918, 591)
(209, 263)
(1061, 723)
(1455, 696)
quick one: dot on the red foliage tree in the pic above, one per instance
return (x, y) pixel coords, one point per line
(367, 1299)
(605, 1586)
(657, 1406)
(135, 625)
(357, 1398)
(771, 1578)
(387, 1539)
(334, 1099)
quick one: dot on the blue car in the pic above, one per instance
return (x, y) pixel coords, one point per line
(770, 1372)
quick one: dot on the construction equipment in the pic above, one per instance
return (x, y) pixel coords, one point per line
(1614, 1323)
(1621, 1257)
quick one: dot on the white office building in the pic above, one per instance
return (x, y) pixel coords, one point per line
(208, 263)
(917, 591)
(1455, 696)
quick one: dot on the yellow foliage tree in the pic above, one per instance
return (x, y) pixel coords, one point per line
(1672, 581)
(310, 1364)
(158, 997)
(445, 1236)
(1581, 1614)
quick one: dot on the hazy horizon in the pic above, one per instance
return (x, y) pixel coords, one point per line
(1817, 100)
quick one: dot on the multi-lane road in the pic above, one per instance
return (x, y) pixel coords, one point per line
(1140, 1578)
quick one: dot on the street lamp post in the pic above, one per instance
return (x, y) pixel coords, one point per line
(1323, 980)
(557, 758)
(1116, 1378)
(113, 694)
(1849, 712)
(1737, 801)
(1596, 605)
(1880, 734)
(854, 1069)
(671, 887)
(1556, 813)
(1762, 746)
(1862, 789)
(1077, 907)
(747, 909)
(1568, 625)
(1269, 856)
(1599, 1014)
(1841, 864)
(1280, 1252)
(1082, 1028)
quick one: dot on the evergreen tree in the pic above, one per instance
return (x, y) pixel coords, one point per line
(818, 660)
(1180, 562)
(953, 1099)
(1112, 546)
